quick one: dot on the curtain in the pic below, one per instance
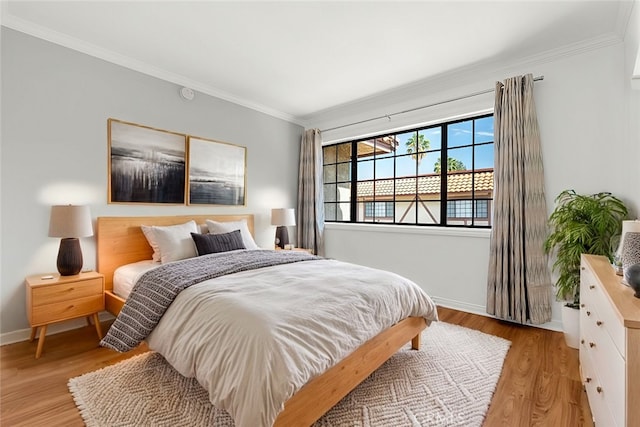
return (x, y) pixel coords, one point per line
(310, 210)
(518, 283)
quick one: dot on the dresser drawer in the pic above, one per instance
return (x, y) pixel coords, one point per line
(594, 300)
(68, 309)
(44, 295)
(598, 348)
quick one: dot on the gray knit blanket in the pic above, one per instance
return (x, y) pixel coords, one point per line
(156, 289)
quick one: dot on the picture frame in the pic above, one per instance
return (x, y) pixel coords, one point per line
(216, 172)
(146, 165)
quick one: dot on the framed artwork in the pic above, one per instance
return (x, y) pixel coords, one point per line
(146, 165)
(217, 173)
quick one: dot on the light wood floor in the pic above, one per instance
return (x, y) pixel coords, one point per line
(540, 382)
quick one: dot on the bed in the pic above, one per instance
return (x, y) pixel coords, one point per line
(120, 241)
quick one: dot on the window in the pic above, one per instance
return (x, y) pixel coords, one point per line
(400, 178)
(380, 210)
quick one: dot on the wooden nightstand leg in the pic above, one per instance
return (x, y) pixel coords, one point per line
(96, 320)
(88, 320)
(33, 334)
(43, 332)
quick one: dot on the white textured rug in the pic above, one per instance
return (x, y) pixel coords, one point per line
(449, 382)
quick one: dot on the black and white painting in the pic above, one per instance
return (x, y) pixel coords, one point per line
(146, 165)
(216, 173)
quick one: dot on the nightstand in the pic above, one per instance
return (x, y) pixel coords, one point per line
(51, 300)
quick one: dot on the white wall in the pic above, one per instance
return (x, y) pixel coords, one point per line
(584, 119)
(632, 71)
(55, 106)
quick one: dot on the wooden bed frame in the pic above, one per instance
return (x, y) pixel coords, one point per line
(120, 241)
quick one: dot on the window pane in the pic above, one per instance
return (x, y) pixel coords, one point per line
(344, 171)
(329, 154)
(405, 166)
(329, 173)
(344, 212)
(484, 130)
(361, 213)
(366, 149)
(386, 146)
(407, 212)
(434, 136)
(405, 142)
(365, 170)
(365, 190)
(427, 165)
(329, 212)
(460, 159)
(330, 192)
(384, 168)
(344, 152)
(483, 156)
(429, 211)
(344, 192)
(459, 134)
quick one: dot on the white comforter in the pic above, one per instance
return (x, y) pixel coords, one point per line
(252, 339)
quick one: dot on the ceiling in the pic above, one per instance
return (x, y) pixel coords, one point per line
(294, 59)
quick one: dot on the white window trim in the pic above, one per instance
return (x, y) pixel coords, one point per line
(481, 233)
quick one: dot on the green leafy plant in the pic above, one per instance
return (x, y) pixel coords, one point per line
(581, 224)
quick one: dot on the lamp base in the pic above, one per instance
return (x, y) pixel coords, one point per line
(69, 257)
(282, 236)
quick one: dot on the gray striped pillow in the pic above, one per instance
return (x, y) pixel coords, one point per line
(213, 243)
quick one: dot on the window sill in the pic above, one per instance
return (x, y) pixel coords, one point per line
(483, 233)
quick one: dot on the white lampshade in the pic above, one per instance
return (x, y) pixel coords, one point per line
(70, 221)
(283, 216)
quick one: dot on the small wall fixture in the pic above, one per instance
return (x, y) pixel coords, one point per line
(70, 222)
(187, 93)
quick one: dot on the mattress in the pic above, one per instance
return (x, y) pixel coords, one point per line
(127, 275)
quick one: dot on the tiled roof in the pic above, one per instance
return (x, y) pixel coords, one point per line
(457, 182)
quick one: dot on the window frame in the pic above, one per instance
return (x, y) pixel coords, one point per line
(357, 207)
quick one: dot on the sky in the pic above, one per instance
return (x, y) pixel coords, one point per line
(461, 137)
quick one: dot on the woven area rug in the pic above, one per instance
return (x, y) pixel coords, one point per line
(449, 382)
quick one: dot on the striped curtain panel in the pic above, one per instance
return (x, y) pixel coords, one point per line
(310, 210)
(519, 285)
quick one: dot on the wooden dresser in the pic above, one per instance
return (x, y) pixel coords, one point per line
(609, 344)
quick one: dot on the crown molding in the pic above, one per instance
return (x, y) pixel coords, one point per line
(27, 27)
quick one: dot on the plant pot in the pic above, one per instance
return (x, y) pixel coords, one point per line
(571, 326)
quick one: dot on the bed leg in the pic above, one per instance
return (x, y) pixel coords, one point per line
(415, 342)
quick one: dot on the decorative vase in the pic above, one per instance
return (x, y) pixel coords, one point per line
(632, 276)
(630, 253)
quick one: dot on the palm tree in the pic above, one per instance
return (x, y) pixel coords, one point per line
(452, 165)
(419, 149)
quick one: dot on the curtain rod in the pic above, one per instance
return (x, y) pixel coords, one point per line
(388, 116)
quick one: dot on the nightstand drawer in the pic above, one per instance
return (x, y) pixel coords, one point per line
(67, 309)
(46, 295)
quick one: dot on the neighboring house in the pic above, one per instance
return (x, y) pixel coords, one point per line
(375, 198)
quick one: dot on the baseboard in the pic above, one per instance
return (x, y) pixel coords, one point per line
(553, 325)
(56, 328)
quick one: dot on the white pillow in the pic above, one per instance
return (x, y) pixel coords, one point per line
(216, 227)
(172, 242)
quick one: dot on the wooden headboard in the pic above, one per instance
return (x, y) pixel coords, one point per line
(120, 239)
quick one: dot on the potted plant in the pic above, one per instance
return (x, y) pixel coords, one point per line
(580, 224)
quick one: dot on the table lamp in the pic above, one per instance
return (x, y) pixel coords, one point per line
(282, 218)
(70, 222)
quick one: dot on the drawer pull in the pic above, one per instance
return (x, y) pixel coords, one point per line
(588, 313)
(582, 341)
(588, 379)
(599, 322)
(592, 286)
(592, 344)
(71, 289)
(582, 305)
(599, 389)
(70, 307)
